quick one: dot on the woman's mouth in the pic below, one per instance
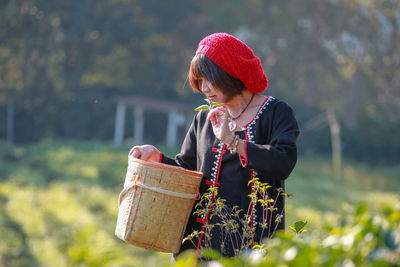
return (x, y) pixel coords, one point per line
(212, 98)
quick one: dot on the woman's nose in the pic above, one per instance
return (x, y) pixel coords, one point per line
(204, 87)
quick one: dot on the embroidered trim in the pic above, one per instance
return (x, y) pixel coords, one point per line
(213, 182)
(263, 106)
(243, 160)
(200, 220)
(209, 182)
(249, 133)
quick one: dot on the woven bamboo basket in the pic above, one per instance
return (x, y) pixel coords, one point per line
(155, 205)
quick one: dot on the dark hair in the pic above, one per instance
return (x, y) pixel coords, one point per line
(203, 67)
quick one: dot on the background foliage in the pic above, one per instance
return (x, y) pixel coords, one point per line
(58, 203)
(63, 63)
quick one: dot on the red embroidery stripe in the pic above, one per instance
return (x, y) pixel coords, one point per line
(215, 150)
(213, 196)
(200, 220)
(244, 164)
(201, 237)
(244, 160)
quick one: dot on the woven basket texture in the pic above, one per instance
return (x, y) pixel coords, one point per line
(154, 220)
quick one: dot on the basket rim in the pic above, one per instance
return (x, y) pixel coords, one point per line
(167, 167)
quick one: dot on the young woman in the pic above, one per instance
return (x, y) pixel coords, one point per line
(250, 136)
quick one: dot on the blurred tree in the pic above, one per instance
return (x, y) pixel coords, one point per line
(334, 57)
(53, 52)
(61, 63)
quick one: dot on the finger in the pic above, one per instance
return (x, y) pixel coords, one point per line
(211, 115)
(218, 110)
(221, 110)
(221, 114)
(145, 155)
(135, 152)
(224, 113)
(217, 116)
(213, 120)
(132, 150)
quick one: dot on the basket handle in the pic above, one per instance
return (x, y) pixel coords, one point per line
(136, 183)
(128, 188)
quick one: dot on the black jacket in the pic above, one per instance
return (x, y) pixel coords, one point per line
(274, 125)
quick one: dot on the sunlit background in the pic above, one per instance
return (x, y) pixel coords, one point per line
(83, 81)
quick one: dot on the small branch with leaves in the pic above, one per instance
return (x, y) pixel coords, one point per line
(210, 105)
(234, 223)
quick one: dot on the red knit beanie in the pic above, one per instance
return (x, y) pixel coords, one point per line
(236, 58)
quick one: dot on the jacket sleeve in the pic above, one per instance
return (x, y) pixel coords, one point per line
(186, 158)
(279, 158)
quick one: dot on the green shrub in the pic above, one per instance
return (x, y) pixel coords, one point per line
(369, 236)
(58, 205)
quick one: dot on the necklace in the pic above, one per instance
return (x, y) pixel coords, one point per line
(238, 116)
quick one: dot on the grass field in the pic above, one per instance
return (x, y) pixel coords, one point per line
(319, 196)
(58, 202)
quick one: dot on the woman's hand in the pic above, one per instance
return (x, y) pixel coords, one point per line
(220, 122)
(145, 152)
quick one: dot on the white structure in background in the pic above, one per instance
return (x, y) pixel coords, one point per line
(178, 115)
(175, 120)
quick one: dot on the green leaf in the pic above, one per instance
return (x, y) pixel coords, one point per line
(202, 107)
(207, 100)
(299, 225)
(287, 195)
(215, 104)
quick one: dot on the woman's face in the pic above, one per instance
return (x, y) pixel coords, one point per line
(212, 92)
